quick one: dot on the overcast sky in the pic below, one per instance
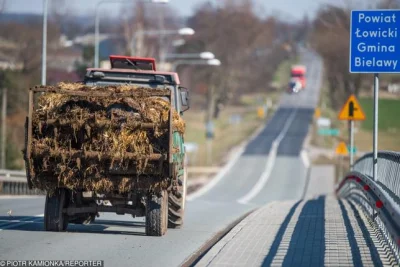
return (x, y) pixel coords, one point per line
(288, 8)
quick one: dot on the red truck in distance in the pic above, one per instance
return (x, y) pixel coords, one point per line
(297, 78)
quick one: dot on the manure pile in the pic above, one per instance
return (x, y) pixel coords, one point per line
(78, 141)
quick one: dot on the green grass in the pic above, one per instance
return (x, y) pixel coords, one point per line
(389, 111)
(389, 124)
(226, 135)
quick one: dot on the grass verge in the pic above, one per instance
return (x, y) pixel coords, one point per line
(227, 133)
(389, 126)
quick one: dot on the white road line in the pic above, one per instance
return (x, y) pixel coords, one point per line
(305, 158)
(34, 220)
(270, 163)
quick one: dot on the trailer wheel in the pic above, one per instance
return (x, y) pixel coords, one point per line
(157, 214)
(177, 201)
(54, 218)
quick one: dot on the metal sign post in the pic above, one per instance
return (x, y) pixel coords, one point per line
(209, 146)
(351, 111)
(341, 151)
(340, 167)
(375, 141)
(351, 144)
(209, 141)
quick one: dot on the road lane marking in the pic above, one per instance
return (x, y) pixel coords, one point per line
(270, 163)
(305, 158)
(35, 219)
(231, 163)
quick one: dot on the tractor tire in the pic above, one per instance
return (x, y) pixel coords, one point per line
(54, 218)
(157, 214)
(176, 207)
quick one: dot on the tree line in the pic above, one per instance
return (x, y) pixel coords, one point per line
(249, 46)
(330, 37)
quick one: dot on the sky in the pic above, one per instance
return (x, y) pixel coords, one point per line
(295, 9)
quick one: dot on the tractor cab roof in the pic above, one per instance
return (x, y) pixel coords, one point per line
(133, 68)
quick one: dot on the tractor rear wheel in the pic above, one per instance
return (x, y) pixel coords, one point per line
(177, 201)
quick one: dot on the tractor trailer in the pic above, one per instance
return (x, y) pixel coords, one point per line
(112, 143)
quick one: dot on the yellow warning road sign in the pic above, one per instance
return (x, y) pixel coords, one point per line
(341, 149)
(317, 113)
(352, 111)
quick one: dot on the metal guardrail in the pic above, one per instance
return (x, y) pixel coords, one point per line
(15, 183)
(380, 199)
(10, 173)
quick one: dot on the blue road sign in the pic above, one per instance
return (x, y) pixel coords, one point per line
(375, 41)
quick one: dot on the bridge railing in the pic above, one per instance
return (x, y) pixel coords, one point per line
(380, 199)
(388, 170)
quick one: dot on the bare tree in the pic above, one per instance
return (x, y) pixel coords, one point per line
(3, 5)
(331, 38)
(389, 4)
(248, 47)
(58, 8)
(22, 46)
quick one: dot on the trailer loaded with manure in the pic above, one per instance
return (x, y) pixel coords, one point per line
(115, 138)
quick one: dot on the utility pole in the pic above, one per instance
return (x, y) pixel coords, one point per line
(44, 41)
(3, 129)
(161, 37)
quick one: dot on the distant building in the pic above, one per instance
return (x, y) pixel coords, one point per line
(109, 44)
(7, 62)
(64, 59)
(89, 39)
(112, 46)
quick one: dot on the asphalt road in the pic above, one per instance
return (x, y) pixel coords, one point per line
(271, 167)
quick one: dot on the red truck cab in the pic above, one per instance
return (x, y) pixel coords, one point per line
(299, 72)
